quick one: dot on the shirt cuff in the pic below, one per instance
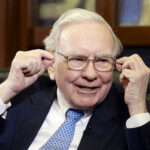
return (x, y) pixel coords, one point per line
(3, 106)
(138, 120)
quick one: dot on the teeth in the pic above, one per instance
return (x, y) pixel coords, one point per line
(87, 88)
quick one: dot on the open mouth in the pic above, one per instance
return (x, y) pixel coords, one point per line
(86, 88)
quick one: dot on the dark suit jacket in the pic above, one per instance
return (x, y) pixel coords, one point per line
(105, 130)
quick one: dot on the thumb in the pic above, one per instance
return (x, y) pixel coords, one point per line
(119, 67)
(46, 63)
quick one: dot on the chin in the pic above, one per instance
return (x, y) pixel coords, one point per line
(84, 105)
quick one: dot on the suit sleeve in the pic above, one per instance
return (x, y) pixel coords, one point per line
(138, 138)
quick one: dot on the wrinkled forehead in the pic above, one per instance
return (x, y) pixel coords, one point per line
(85, 38)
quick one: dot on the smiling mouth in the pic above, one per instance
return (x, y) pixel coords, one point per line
(87, 88)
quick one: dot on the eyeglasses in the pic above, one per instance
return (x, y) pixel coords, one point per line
(78, 63)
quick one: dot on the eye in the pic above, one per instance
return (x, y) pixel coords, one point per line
(102, 60)
(77, 59)
(76, 62)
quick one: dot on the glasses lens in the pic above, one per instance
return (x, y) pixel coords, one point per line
(80, 62)
(104, 64)
(77, 63)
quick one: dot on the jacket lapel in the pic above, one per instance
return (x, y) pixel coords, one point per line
(105, 122)
(30, 118)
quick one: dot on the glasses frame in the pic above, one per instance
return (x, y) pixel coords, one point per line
(93, 60)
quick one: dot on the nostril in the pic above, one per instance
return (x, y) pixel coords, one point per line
(90, 73)
(89, 77)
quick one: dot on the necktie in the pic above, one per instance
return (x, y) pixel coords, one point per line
(62, 138)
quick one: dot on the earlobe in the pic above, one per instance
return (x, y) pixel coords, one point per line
(51, 72)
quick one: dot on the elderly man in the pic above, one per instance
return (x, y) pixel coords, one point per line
(79, 108)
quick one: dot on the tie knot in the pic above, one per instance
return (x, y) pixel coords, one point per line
(74, 114)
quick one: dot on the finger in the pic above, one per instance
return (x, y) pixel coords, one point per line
(124, 82)
(128, 74)
(47, 63)
(119, 63)
(50, 51)
(32, 66)
(25, 70)
(46, 54)
(140, 61)
(128, 62)
(121, 60)
(41, 71)
(122, 77)
(39, 65)
(40, 59)
(28, 69)
(119, 67)
(134, 62)
(125, 77)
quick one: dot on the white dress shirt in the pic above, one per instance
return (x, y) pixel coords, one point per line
(53, 121)
(56, 116)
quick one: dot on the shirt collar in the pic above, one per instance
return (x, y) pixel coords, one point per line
(64, 105)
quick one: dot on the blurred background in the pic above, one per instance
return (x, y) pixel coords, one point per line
(25, 23)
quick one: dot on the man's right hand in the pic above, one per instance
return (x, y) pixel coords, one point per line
(25, 69)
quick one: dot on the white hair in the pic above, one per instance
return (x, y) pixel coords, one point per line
(77, 15)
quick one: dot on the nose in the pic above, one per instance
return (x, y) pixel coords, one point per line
(90, 72)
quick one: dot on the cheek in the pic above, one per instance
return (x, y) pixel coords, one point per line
(63, 74)
(106, 77)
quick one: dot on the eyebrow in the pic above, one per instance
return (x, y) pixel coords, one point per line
(80, 55)
(77, 55)
(105, 56)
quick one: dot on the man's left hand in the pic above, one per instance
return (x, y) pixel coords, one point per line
(134, 76)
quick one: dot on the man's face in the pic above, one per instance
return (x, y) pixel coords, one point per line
(84, 89)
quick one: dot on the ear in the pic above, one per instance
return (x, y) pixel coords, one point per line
(51, 72)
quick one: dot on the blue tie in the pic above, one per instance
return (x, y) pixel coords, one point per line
(62, 138)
